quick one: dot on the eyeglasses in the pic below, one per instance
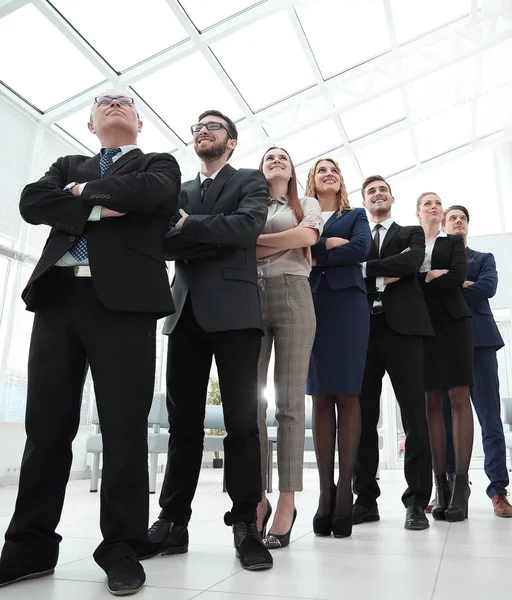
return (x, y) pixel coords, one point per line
(106, 100)
(211, 126)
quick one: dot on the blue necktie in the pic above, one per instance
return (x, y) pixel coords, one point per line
(79, 250)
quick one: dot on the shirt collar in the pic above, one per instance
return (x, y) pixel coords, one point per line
(385, 224)
(212, 176)
(124, 149)
(280, 200)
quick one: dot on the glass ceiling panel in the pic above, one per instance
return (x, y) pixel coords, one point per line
(386, 156)
(444, 89)
(25, 66)
(265, 61)
(373, 115)
(312, 142)
(151, 139)
(493, 73)
(205, 14)
(467, 180)
(493, 111)
(128, 36)
(179, 107)
(344, 33)
(444, 132)
(415, 18)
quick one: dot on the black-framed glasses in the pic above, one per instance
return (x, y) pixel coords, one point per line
(106, 100)
(211, 126)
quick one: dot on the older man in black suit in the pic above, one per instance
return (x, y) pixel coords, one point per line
(97, 292)
(222, 212)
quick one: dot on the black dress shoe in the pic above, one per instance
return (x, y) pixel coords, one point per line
(415, 519)
(248, 545)
(364, 514)
(125, 577)
(19, 563)
(165, 537)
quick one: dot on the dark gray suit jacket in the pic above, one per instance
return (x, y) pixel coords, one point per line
(215, 251)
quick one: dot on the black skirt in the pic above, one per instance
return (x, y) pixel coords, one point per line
(449, 354)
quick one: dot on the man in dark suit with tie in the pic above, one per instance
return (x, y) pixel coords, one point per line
(97, 292)
(481, 284)
(222, 212)
(399, 320)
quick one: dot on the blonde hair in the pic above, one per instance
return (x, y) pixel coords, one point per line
(341, 194)
(424, 195)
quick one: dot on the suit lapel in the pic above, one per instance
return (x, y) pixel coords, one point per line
(121, 162)
(194, 196)
(331, 220)
(389, 236)
(215, 189)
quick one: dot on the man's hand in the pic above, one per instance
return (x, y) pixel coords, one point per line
(107, 212)
(75, 190)
(388, 280)
(406, 250)
(313, 262)
(335, 242)
(435, 274)
(184, 216)
(467, 283)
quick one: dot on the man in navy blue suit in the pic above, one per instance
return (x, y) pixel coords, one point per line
(481, 284)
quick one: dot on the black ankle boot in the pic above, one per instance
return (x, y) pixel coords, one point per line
(457, 510)
(442, 497)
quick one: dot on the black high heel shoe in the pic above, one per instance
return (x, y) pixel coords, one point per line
(443, 494)
(322, 524)
(342, 526)
(263, 531)
(458, 508)
(273, 541)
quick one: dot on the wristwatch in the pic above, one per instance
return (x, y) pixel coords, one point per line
(70, 186)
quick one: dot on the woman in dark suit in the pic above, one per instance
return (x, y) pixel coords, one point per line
(339, 351)
(448, 356)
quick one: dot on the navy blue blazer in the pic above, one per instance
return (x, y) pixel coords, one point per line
(342, 266)
(482, 270)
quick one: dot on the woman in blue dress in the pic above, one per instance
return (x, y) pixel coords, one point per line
(339, 351)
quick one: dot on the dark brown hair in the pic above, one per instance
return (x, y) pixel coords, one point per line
(232, 130)
(371, 179)
(455, 207)
(292, 194)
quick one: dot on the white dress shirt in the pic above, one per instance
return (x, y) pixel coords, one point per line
(429, 248)
(385, 225)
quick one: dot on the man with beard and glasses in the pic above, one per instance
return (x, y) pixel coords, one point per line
(399, 320)
(213, 243)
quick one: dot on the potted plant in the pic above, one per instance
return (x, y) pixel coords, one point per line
(214, 398)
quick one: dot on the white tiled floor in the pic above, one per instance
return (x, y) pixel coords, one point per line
(380, 561)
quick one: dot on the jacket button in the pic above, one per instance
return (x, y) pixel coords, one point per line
(72, 238)
(71, 228)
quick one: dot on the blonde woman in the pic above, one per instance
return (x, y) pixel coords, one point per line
(448, 356)
(339, 351)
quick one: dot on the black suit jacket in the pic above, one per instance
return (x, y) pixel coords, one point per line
(444, 294)
(125, 253)
(403, 301)
(215, 251)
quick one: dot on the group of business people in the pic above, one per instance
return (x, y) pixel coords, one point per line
(341, 300)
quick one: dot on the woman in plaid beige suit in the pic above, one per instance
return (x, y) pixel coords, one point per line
(284, 264)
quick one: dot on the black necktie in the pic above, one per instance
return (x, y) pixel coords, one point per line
(205, 186)
(376, 238)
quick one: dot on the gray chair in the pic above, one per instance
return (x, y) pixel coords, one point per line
(507, 419)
